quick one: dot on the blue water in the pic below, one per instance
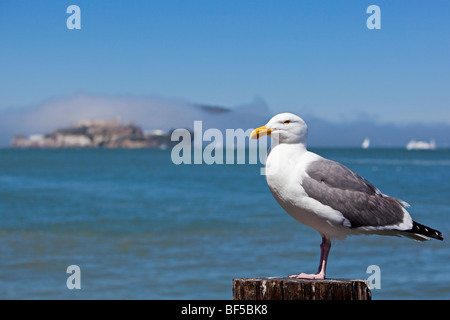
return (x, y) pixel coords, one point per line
(140, 227)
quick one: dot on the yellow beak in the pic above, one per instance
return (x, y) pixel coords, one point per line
(260, 132)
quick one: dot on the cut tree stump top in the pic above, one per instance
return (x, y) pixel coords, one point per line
(299, 289)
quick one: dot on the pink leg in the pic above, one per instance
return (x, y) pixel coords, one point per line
(325, 247)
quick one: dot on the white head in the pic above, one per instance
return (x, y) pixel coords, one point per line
(284, 128)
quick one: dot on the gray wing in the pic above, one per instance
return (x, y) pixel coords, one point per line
(361, 203)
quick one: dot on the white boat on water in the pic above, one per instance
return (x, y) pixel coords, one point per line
(421, 145)
(366, 143)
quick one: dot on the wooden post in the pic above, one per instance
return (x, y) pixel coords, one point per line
(299, 289)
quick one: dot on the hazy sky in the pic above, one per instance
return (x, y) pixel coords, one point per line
(315, 57)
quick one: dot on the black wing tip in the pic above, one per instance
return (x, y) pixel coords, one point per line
(420, 229)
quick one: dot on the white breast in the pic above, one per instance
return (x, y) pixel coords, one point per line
(285, 169)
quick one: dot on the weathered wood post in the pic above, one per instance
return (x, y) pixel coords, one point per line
(299, 289)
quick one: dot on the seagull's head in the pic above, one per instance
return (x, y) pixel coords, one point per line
(284, 128)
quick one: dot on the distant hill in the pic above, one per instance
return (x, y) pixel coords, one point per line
(96, 134)
(149, 113)
(154, 113)
(351, 134)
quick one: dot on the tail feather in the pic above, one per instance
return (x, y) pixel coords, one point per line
(421, 230)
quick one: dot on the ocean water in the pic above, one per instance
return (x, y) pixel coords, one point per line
(140, 227)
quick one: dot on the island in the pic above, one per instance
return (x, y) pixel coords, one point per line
(97, 134)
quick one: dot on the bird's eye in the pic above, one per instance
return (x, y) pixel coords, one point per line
(287, 122)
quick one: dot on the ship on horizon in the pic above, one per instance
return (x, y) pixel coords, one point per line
(421, 145)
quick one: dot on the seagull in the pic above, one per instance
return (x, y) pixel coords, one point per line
(326, 195)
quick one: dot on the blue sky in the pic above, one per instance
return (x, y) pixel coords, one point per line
(314, 57)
